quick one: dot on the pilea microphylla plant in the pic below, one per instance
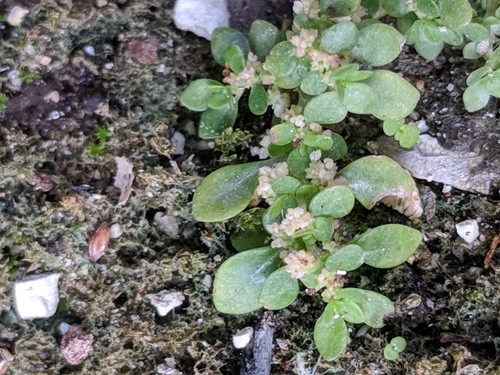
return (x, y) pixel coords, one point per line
(291, 203)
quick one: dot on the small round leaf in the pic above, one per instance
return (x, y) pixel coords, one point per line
(336, 201)
(326, 108)
(279, 290)
(378, 44)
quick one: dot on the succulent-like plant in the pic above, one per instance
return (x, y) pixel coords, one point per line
(291, 203)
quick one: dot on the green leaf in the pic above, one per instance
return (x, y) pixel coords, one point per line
(476, 75)
(476, 32)
(428, 50)
(371, 6)
(330, 333)
(389, 353)
(239, 280)
(292, 80)
(390, 127)
(196, 95)
(360, 75)
(394, 348)
(313, 84)
(336, 201)
(234, 58)
(378, 44)
(379, 178)
(279, 290)
(310, 279)
(475, 97)
(249, 239)
(351, 312)
(283, 134)
(282, 60)
(257, 101)
(318, 141)
(279, 151)
(455, 14)
(342, 73)
(451, 37)
(226, 192)
(285, 185)
(323, 228)
(339, 8)
(414, 32)
(492, 86)
(469, 51)
(338, 150)
(389, 245)
(298, 160)
(225, 37)
(262, 38)
(339, 38)
(359, 98)
(275, 212)
(395, 8)
(214, 120)
(305, 193)
(346, 258)
(374, 305)
(326, 108)
(428, 9)
(407, 135)
(396, 98)
(219, 100)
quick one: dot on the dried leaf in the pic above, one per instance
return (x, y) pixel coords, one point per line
(124, 178)
(99, 242)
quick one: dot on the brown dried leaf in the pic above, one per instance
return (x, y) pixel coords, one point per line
(76, 345)
(99, 242)
(124, 178)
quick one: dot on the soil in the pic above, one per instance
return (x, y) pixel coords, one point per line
(91, 81)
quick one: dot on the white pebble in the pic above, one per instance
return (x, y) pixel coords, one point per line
(109, 65)
(16, 15)
(446, 189)
(201, 16)
(37, 296)
(115, 231)
(45, 60)
(165, 301)
(179, 141)
(242, 337)
(468, 230)
(89, 50)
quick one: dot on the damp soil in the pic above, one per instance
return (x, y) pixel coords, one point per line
(91, 81)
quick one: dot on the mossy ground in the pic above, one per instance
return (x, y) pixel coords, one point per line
(447, 303)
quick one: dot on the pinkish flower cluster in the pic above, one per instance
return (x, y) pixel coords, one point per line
(322, 61)
(267, 175)
(296, 222)
(247, 78)
(304, 41)
(308, 7)
(298, 263)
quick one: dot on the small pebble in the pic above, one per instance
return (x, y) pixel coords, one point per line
(179, 141)
(468, 230)
(16, 15)
(115, 230)
(165, 301)
(37, 296)
(53, 96)
(45, 60)
(109, 65)
(101, 3)
(242, 337)
(201, 16)
(89, 50)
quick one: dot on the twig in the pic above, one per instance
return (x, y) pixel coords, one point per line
(257, 357)
(488, 260)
